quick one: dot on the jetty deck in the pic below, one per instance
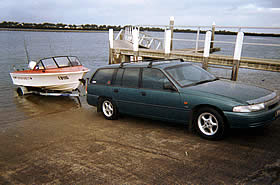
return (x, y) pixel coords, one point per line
(123, 50)
(133, 45)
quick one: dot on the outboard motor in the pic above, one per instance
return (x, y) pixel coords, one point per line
(32, 64)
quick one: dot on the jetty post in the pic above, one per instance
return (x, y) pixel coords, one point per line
(167, 43)
(206, 50)
(213, 35)
(171, 26)
(237, 55)
(197, 39)
(111, 45)
(135, 42)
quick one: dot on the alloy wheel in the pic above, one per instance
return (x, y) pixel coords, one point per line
(107, 108)
(208, 124)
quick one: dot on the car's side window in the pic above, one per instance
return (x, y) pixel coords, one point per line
(103, 77)
(130, 77)
(153, 79)
(118, 78)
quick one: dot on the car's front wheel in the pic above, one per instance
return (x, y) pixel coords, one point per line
(210, 124)
(109, 109)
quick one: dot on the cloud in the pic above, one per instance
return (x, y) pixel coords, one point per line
(122, 12)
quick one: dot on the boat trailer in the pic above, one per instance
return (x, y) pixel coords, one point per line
(22, 90)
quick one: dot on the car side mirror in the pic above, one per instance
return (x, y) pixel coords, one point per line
(168, 86)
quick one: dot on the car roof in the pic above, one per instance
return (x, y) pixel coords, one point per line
(154, 64)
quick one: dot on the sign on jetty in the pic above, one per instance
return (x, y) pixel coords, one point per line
(131, 44)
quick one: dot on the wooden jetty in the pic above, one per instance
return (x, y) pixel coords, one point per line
(133, 45)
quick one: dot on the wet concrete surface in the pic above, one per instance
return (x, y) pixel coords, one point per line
(80, 147)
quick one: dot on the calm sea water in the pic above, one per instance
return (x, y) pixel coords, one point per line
(92, 50)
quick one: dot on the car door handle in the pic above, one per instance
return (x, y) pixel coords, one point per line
(143, 93)
(116, 90)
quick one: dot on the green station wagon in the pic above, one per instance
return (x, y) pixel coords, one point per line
(178, 91)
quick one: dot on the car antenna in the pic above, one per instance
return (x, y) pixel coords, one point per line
(26, 51)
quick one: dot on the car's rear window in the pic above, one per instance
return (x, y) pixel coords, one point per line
(131, 77)
(118, 78)
(103, 77)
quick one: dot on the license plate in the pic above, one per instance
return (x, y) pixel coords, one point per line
(277, 113)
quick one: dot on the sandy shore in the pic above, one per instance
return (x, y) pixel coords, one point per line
(81, 147)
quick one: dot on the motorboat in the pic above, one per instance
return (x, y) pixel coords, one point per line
(57, 74)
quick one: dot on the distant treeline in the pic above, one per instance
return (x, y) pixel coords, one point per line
(95, 27)
(58, 26)
(225, 32)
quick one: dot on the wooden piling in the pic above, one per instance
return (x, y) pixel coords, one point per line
(213, 35)
(205, 63)
(171, 26)
(111, 45)
(237, 55)
(197, 39)
(135, 40)
(235, 69)
(167, 42)
(206, 50)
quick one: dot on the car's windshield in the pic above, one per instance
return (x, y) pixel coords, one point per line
(187, 74)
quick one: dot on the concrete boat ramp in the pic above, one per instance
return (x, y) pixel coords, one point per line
(80, 147)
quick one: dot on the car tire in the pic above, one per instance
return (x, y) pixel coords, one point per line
(210, 124)
(109, 109)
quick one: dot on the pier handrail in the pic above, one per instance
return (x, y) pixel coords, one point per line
(207, 26)
(199, 27)
(145, 40)
(119, 34)
(150, 42)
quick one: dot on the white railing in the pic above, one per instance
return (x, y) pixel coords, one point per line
(198, 30)
(145, 40)
(149, 42)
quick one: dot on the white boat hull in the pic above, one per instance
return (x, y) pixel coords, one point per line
(66, 81)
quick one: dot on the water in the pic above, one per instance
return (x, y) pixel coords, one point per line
(188, 40)
(92, 50)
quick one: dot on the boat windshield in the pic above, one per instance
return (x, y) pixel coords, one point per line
(187, 74)
(49, 63)
(58, 62)
(74, 61)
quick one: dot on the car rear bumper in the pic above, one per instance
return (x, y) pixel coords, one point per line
(92, 99)
(252, 119)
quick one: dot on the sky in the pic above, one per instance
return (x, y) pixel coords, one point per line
(143, 12)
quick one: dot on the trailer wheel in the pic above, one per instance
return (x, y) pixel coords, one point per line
(22, 91)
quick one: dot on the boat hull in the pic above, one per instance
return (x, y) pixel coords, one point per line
(61, 81)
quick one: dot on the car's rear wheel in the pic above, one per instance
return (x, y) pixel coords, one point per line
(210, 124)
(109, 109)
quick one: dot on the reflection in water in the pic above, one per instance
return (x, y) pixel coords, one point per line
(36, 105)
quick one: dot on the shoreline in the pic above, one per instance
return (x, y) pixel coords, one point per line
(103, 31)
(51, 30)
